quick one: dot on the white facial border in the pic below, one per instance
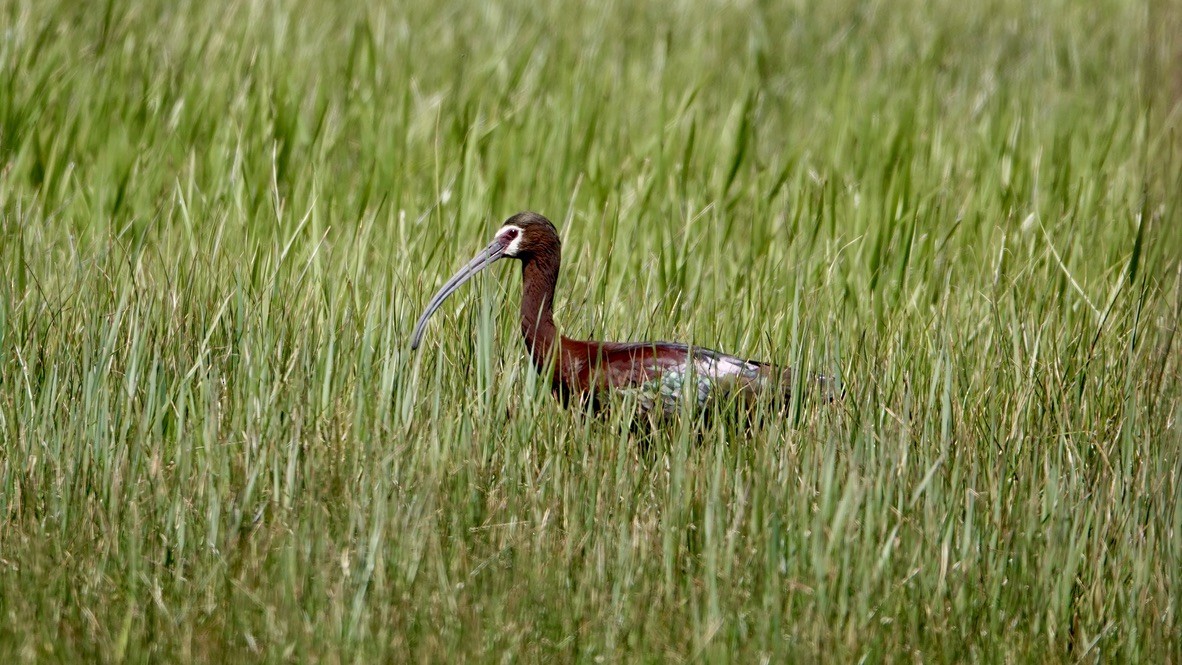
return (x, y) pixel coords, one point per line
(514, 246)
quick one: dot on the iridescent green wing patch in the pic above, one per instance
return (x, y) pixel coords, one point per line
(666, 388)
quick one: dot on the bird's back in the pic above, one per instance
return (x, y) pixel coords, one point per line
(665, 376)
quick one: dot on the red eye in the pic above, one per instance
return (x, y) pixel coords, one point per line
(510, 234)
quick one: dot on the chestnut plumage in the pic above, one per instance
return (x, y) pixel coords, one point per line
(659, 374)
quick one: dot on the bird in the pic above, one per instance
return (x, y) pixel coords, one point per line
(662, 376)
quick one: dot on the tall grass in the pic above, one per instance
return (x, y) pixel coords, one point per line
(219, 221)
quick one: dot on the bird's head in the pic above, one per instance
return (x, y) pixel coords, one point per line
(523, 236)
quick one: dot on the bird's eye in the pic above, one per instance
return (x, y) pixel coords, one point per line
(510, 234)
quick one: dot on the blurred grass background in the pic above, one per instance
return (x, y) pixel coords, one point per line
(220, 220)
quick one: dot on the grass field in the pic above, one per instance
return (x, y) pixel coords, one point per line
(220, 220)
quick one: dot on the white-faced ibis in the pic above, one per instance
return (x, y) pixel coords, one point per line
(656, 372)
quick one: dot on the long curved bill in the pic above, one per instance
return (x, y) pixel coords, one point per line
(484, 259)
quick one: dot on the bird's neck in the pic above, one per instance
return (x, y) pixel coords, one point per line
(539, 277)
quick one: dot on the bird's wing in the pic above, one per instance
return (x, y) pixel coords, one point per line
(663, 374)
